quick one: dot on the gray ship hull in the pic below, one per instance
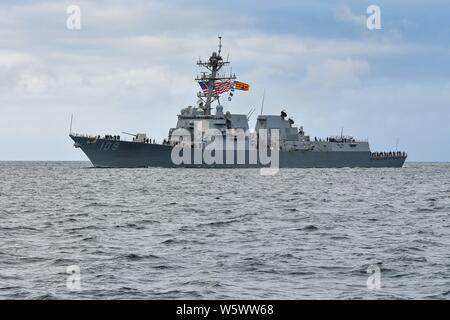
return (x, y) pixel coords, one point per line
(126, 154)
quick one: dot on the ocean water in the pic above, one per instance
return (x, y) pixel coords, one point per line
(218, 234)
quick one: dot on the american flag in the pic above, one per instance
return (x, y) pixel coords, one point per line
(219, 86)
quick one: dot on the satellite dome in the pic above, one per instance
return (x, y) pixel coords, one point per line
(219, 111)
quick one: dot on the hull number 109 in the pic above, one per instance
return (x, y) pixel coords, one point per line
(106, 145)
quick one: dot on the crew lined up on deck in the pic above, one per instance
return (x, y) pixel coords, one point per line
(146, 140)
(392, 154)
(111, 137)
(335, 139)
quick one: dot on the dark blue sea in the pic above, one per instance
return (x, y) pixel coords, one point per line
(69, 231)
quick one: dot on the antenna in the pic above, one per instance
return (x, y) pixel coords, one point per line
(71, 120)
(396, 144)
(262, 103)
(220, 44)
(342, 132)
(214, 66)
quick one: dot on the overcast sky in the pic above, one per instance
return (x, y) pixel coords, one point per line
(132, 64)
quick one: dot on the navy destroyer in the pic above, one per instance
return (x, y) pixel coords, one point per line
(206, 139)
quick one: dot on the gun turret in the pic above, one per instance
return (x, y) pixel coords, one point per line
(138, 137)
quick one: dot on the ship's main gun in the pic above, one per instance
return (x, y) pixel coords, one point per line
(130, 134)
(139, 137)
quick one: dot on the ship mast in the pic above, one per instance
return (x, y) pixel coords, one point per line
(214, 65)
